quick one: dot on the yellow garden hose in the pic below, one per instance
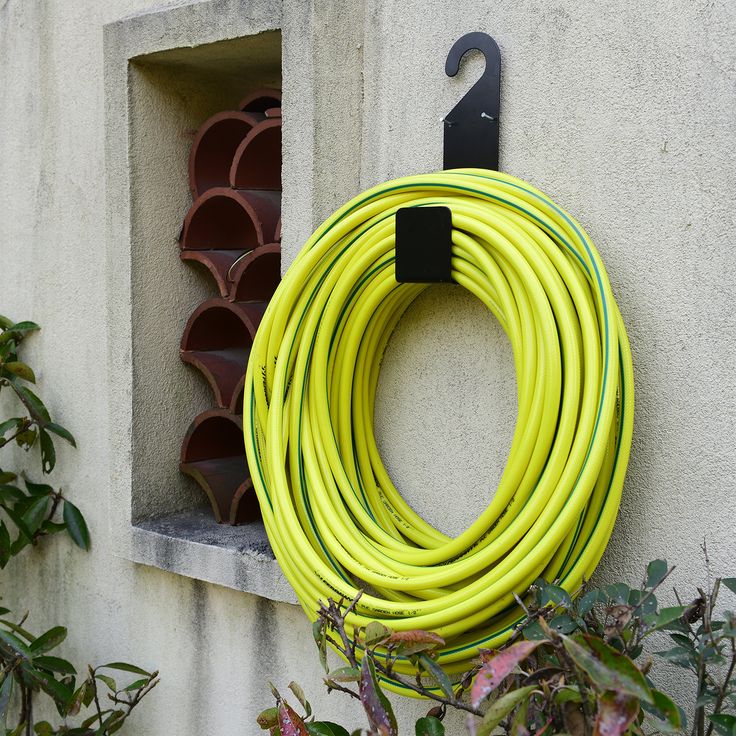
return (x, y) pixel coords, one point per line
(334, 518)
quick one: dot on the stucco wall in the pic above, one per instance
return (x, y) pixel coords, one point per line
(624, 115)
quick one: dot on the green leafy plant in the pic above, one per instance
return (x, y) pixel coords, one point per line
(31, 511)
(575, 665)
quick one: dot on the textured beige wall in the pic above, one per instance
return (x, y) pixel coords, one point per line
(625, 116)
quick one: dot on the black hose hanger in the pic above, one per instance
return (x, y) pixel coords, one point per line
(471, 127)
(424, 234)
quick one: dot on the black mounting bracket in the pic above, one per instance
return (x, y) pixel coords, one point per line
(424, 234)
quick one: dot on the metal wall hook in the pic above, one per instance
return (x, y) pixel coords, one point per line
(472, 126)
(424, 234)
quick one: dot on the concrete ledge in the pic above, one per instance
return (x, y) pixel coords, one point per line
(191, 543)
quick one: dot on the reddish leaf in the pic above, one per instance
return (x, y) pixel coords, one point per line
(616, 712)
(380, 714)
(497, 668)
(290, 723)
(415, 641)
(416, 636)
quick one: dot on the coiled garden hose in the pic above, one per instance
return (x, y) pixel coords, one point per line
(334, 518)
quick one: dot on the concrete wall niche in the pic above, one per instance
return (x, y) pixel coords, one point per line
(171, 94)
(167, 72)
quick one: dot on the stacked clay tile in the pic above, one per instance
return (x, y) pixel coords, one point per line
(232, 229)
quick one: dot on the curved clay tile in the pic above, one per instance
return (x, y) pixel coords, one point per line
(218, 262)
(228, 219)
(261, 100)
(257, 161)
(214, 147)
(213, 454)
(217, 341)
(256, 275)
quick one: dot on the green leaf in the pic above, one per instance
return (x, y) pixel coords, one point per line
(21, 370)
(730, 583)
(49, 640)
(137, 685)
(268, 718)
(725, 723)
(5, 544)
(563, 624)
(429, 726)
(656, 572)
(299, 693)
(5, 322)
(33, 403)
(431, 667)
(78, 531)
(57, 690)
(680, 656)
(589, 600)
(325, 728)
(43, 728)
(10, 424)
(51, 527)
(534, 632)
(320, 639)
(521, 720)
(24, 327)
(36, 513)
(607, 668)
(38, 489)
(10, 494)
(553, 594)
(665, 713)
(18, 630)
(568, 693)
(87, 722)
(376, 633)
(48, 452)
(14, 645)
(6, 690)
(618, 593)
(7, 477)
(108, 681)
(62, 432)
(26, 439)
(500, 708)
(345, 674)
(89, 692)
(115, 717)
(18, 545)
(665, 617)
(125, 667)
(54, 664)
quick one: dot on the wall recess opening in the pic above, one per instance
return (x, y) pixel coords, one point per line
(204, 127)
